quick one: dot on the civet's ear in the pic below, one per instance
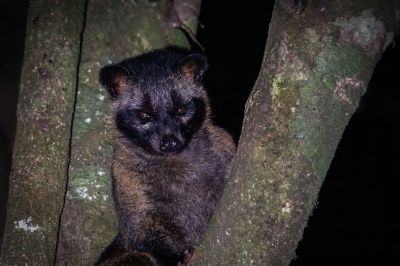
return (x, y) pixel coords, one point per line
(115, 79)
(194, 67)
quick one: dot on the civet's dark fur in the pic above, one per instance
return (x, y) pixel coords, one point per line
(170, 161)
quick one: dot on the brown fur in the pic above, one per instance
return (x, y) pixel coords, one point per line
(129, 181)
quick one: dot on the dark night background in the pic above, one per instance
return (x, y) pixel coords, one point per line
(355, 221)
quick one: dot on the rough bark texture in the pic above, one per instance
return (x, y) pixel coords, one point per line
(316, 67)
(40, 160)
(114, 30)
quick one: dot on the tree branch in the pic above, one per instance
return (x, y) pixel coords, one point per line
(316, 68)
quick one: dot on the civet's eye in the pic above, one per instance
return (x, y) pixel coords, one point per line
(181, 110)
(144, 117)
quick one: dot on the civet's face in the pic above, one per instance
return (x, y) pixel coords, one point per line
(157, 107)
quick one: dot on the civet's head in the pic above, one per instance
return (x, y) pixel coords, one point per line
(158, 98)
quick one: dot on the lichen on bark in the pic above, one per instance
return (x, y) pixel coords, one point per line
(45, 106)
(309, 85)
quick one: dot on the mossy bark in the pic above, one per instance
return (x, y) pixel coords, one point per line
(316, 67)
(41, 151)
(114, 30)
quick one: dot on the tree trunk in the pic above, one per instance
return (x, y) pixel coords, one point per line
(113, 31)
(62, 170)
(41, 151)
(316, 67)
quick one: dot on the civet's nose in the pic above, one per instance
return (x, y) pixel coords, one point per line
(170, 143)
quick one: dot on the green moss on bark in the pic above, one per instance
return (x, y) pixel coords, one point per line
(329, 97)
